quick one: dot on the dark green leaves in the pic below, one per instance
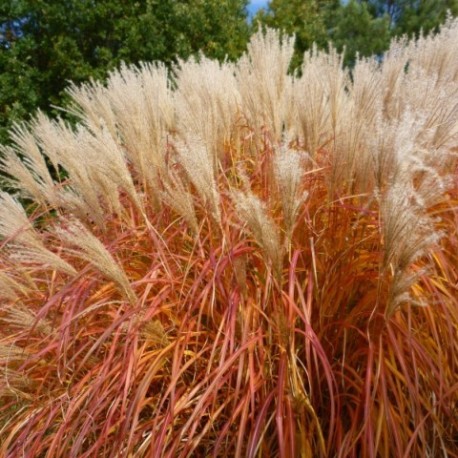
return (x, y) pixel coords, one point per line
(45, 44)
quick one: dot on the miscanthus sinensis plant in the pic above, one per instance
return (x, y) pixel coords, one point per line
(230, 260)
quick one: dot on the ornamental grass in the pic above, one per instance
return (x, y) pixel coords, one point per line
(231, 260)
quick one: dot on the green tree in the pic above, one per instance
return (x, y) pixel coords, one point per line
(357, 31)
(424, 16)
(307, 19)
(46, 43)
(362, 27)
(412, 16)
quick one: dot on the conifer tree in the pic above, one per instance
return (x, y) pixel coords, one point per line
(355, 30)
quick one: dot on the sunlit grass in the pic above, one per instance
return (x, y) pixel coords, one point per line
(273, 295)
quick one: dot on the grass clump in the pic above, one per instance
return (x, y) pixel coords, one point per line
(243, 263)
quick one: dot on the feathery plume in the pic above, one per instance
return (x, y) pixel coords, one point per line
(408, 234)
(30, 175)
(92, 250)
(207, 101)
(288, 172)
(28, 246)
(265, 232)
(10, 288)
(196, 160)
(12, 353)
(22, 317)
(264, 84)
(179, 198)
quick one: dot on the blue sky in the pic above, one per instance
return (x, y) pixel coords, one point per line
(254, 5)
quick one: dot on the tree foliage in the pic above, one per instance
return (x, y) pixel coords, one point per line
(307, 19)
(46, 43)
(360, 26)
(424, 16)
(413, 16)
(355, 30)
